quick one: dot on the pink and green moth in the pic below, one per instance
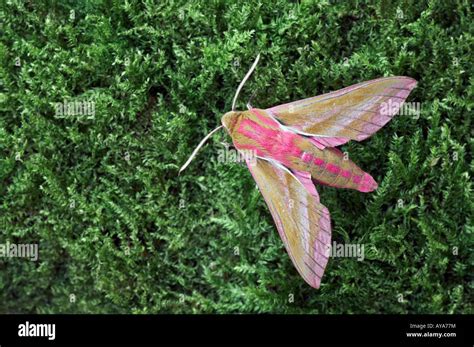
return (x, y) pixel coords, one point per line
(295, 149)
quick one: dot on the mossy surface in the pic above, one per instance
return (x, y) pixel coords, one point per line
(120, 232)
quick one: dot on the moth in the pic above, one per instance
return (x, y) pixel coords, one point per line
(295, 150)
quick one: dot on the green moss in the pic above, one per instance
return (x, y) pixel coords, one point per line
(120, 231)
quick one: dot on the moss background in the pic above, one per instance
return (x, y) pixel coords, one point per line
(119, 231)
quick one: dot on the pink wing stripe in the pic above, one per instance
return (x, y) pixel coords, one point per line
(305, 179)
(322, 243)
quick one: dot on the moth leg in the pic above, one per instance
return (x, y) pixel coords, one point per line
(226, 145)
(249, 105)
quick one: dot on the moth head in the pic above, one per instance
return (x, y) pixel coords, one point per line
(229, 120)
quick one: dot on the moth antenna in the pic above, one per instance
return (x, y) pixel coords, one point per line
(249, 103)
(244, 80)
(198, 148)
